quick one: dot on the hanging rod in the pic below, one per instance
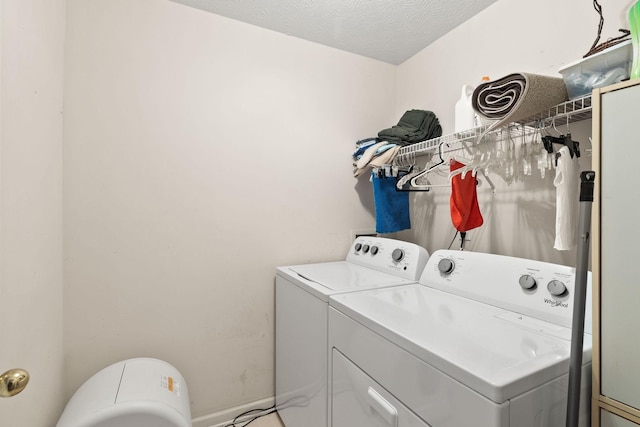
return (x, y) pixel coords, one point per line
(571, 111)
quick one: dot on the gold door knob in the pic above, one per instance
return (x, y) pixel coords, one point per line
(13, 382)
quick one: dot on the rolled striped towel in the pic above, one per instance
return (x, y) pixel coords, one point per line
(517, 96)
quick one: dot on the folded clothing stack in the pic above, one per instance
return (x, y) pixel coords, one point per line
(414, 126)
(374, 155)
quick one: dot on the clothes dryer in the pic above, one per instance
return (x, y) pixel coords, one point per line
(302, 303)
(482, 340)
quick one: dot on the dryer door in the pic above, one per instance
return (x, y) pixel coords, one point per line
(357, 400)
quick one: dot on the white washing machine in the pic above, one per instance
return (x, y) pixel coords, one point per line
(302, 304)
(482, 340)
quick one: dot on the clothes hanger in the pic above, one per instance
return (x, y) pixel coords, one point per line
(470, 165)
(563, 139)
(428, 185)
(439, 161)
(405, 160)
(566, 140)
(406, 182)
(407, 170)
(479, 166)
(402, 180)
(403, 183)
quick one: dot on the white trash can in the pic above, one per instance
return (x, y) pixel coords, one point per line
(138, 392)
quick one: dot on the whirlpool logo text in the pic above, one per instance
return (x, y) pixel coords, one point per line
(556, 303)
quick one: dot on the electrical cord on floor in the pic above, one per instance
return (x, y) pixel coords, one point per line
(250, 415)
(297, 401)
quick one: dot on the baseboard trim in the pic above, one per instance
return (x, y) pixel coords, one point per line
(220, 418)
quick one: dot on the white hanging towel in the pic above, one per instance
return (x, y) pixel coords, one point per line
(567, 183)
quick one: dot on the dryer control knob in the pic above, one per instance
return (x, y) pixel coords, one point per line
(557, 288)
(358, 246)
(374, 250)
(397, 255)
(527, 282)
(365, 248)
(446, 266)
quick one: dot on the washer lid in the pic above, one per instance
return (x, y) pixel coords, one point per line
(336, 277)
(497, 353)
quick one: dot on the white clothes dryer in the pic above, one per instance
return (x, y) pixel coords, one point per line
(481, 340)
(302, 304)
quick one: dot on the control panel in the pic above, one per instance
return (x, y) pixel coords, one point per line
(535, 288)
(403, 259)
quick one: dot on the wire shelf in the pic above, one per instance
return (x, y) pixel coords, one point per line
(568, 112)
(573, 111)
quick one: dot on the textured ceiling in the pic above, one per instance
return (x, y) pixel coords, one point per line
(388, 30)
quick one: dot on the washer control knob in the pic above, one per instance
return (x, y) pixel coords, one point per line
(527, 282)
(358, 246)
(446, 266)
(557, 288)
(374, 250)
(365, 248)
(397, 255)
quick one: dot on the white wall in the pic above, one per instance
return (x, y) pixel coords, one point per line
(32, 37)
(509, 36)
(201, 153)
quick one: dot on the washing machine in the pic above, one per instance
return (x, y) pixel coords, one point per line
(481, 340)
(302, 304)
